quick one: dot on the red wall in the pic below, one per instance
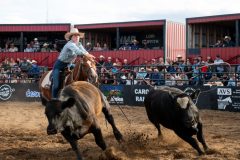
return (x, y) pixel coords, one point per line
(227, 54)
(139, 55)
(48, 58)
(43, 58)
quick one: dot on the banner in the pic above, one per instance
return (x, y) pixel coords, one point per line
(221, 98)
(115, 93)
(228, 98)
(19, 92)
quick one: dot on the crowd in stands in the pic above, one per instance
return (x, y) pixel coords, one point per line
(19, 71)
(171, 73)
(153, 72)
(126, 46)
(33, 46)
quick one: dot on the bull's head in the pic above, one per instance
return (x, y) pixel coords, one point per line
(187, 112)
(53, 111)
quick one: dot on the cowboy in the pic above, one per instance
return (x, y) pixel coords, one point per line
(70, 51)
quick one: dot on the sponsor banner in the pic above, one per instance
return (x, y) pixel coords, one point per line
(114, 93)
(135, 94)
(19, 92)
(228, 98)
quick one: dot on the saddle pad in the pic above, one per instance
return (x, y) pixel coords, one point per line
(46, 83)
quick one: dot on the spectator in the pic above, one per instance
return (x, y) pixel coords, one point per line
(218, 44)
(88, 47)
(227, 42)
(55, 48)
(125, 47)
(45, 48)
(28, 48)
(101, 63)
(145, 44)
(209, 60)
(155, 77)
(24, 65)
(218, 61)
(34, 70)
(214, 78)
(179, 58)
(225, 79)
(105, 47)
(141, 74)
(97, 47)
(169, 80)
(108, 65)
(118, 62)
(5, 49)
(12, 48)
(36, 45)
(125, 66)
(134, 45)
(232, 80)
(160, 64)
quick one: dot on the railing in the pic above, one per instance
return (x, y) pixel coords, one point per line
(165, 75)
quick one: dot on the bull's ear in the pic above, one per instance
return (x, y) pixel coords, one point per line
(68, 103)
(44, 100)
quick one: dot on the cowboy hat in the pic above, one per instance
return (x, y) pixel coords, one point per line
(35, 39)
(101, 56)
(45, 44)
(73, 31)
(227, 37)
(179, 56)
(33, 61)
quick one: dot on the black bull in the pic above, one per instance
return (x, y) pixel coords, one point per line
(175, 110)
(75, 114)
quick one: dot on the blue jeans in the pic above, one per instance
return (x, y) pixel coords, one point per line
(58, 66)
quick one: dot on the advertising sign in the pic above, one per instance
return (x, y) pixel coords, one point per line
(228, 98)
(19, 92)
(113, 93)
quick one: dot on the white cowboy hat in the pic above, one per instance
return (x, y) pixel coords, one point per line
(33, 61)
(179, 55)
(35, 39)
(73, 31)
(227, 37)
(45, 44)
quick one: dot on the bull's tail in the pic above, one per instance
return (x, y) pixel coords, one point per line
(104, 100)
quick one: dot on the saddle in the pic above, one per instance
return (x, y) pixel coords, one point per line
(64, 75)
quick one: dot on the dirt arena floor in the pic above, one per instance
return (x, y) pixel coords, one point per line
(23, 136)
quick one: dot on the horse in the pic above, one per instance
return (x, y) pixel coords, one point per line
(76, 113)
(84, 70)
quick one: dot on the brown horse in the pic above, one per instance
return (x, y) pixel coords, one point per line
(84, 70)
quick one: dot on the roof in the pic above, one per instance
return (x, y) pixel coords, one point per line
(58, 27)
(121, 24)
(226, 17)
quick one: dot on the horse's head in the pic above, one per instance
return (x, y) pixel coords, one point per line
(89, 70)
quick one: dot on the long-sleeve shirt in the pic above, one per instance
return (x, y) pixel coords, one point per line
(70, 51)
